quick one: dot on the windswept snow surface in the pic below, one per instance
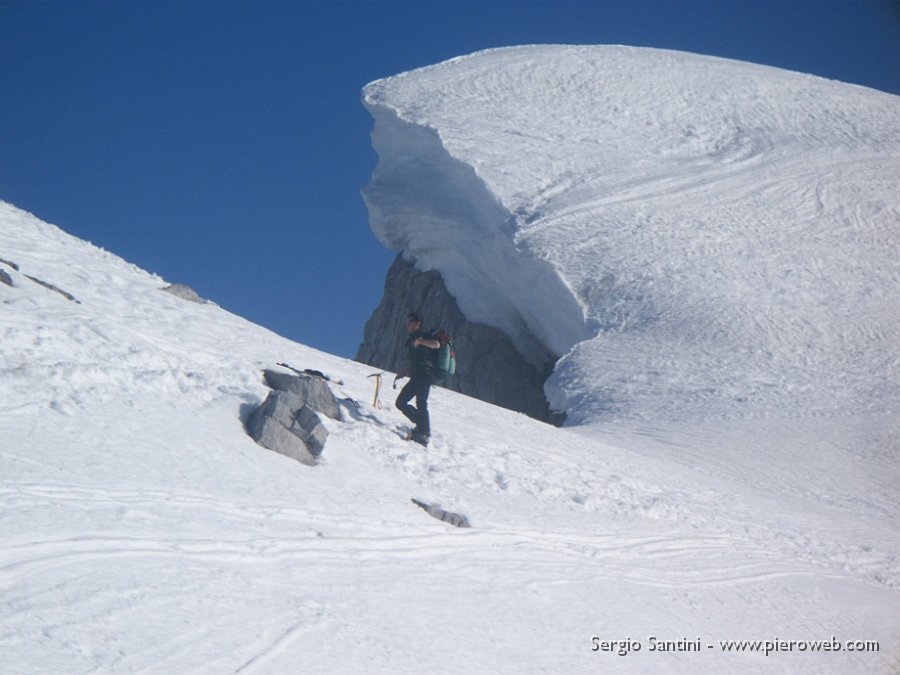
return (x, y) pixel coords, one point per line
(142, 530)
(698, 238)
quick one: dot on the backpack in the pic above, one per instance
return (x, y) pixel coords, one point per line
(445, 359)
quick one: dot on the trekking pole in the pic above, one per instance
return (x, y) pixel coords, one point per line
(375, 402)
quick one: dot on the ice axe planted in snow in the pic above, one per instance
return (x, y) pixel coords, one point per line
(375, 402)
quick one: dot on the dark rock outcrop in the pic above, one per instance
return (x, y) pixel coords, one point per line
(490, 367)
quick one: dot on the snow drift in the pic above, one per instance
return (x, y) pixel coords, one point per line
(696, 237)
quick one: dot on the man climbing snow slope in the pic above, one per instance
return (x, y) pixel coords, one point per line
(419, 368)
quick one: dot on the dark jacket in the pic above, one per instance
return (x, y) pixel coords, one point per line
(419, 360)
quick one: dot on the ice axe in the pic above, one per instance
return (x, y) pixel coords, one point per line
(375, 402)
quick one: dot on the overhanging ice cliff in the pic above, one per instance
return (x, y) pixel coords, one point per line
(694, 237)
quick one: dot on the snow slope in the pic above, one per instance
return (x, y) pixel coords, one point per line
(698, 238)
(142, 530)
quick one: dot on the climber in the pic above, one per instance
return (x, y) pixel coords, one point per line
(419, 368)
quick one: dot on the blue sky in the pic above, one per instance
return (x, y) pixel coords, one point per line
(223, 144)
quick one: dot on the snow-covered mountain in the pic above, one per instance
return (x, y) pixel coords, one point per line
(695, 237)
(141, 529)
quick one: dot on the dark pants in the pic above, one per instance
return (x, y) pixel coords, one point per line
(417, 387)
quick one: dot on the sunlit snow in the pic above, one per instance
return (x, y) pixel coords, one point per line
(696, 237)
(713, 248)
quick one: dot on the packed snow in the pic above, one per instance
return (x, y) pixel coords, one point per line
(696, 237)
(141, 529)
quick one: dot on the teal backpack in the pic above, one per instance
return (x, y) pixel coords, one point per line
(445, 361)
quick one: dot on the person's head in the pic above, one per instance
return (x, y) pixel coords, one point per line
(413, 322)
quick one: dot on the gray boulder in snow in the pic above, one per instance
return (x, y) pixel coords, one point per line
(312, 390)
(288, 426)
(435, 511)
(288, 420)
(185, 293)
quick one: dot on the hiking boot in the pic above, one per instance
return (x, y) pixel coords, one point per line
(420, 438)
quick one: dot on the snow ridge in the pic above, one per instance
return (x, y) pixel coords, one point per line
(696, 237)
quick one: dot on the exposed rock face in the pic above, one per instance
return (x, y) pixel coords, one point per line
(490, 368)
